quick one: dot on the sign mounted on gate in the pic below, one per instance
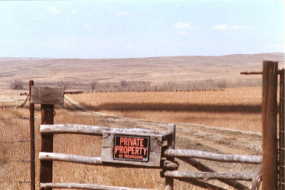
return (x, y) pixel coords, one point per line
(139, 147)
(131, 148)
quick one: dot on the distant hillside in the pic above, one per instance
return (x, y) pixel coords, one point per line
(152, 69)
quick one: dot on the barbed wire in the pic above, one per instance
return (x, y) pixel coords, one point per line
(16, 141)
(24, 161)
(24, 102)
(13, 182)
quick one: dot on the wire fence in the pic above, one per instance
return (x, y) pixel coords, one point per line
(13, 163)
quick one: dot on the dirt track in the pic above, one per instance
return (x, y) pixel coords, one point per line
(236, 141)
(191, 136)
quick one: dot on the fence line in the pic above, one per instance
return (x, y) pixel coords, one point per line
(21, 105)
(21, 182)
(202, 184)
(202, 167)
(169, 153)
(90, 129)
(16, 141)
(170, 168)
(85, 186)
(103, 160)
(70, 158)
(209, 175)
(188, 153)
(25, 161)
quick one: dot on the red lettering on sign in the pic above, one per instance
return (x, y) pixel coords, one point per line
(131, 148)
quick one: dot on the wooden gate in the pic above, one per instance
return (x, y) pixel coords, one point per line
(128, 147)
(161, 146)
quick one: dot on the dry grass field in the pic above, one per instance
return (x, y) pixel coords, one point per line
(206, 120)
(236, 108)
(153, 69)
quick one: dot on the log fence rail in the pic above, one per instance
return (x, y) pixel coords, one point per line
(169, 165)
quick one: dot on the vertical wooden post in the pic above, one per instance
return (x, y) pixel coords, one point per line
(281, 164)
(32, 138)
(169, 181)
(269, 125)
(47, 117)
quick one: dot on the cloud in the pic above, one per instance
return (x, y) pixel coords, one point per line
(130, 45)
(226, 27)
(88, 27)
(217, 1)
(36, 19)
(183, 25)
(54, 11)
(183, 33)
(74, 12)
(184, 28)
(277, 47)
(122, 13)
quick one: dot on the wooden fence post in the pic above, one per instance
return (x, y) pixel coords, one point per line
(47, 117)
(169, 181)
(281, 164)
(269, 125)
(32, 138)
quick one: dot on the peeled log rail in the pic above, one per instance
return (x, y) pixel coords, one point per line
(84, 186)
(200, 166)
(70, 158)
(94, 160)
(208, 175)
(213, 156)
(170, 165)
(202, 184)
(70, 128)
(89, 129)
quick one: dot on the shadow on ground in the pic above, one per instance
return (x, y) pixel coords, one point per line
(216, 108)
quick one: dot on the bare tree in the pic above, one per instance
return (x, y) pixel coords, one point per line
(17, 85)
(124, 83)
(222, 84)
(93, 85)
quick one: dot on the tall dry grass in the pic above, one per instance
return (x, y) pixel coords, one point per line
(237, 108)
(13, 127)
(159, 106)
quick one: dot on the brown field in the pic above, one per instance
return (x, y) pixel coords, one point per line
(236, 108)
(153, 69)
(222, 121)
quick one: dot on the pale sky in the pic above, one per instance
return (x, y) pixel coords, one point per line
(140, 28)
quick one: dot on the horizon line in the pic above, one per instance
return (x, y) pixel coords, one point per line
(145, 57)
